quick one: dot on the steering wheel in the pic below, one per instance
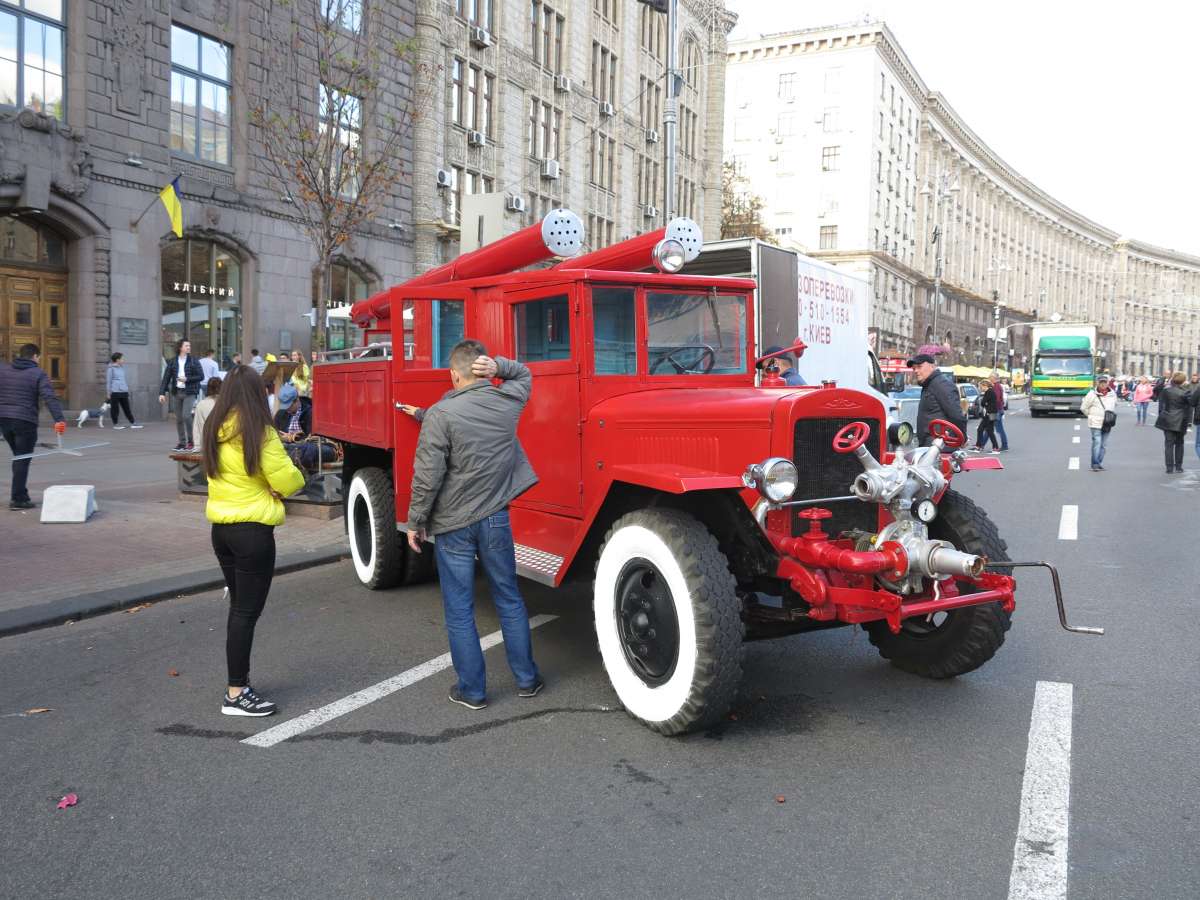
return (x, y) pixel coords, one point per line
(950, 433)
(851, 437)
(706, 360)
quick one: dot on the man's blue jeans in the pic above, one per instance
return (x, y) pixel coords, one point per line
(1197, 428)
(491, 540)
(1099, 444)
(998, 428)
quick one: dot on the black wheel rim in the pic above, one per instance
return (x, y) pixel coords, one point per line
(362, 529)
(647, 622)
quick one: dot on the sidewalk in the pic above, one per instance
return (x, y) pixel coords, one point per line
(143, 543)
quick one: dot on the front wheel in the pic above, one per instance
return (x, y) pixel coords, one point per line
(668, 620)
(959, 641)
(375, 546)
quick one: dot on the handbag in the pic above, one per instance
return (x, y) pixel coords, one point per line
(1110, 419)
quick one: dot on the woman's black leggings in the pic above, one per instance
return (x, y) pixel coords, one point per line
(120, 401)
(987, 430)
(246, 552)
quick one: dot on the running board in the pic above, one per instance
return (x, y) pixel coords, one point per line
(537, 565)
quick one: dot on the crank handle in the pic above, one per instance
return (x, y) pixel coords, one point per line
(1058, 596)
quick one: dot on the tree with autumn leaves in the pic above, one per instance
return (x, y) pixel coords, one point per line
(741, 209)
(339, 97)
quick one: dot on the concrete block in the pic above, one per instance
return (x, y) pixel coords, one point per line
(68, 503)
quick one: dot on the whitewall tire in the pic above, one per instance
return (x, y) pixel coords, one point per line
(375, 546)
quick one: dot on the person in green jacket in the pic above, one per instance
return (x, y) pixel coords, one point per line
(249, 474)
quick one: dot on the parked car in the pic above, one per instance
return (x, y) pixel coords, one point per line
(968, 396)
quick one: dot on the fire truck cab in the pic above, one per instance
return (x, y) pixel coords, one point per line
(704, 503)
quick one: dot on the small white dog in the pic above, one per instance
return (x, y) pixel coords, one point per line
(97, 414)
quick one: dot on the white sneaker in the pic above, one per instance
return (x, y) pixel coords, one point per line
(118, 428)
(137, 426)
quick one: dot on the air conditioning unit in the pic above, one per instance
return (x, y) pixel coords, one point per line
(514, 203)
(650, 212)
(480, 37)
(476, 139)
(651, 136)
(606, 109)
(550, 168)
(444, 178)
(562, 84)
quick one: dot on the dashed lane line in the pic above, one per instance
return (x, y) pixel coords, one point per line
(1073, 463)
(1076, 427)
(1075, 440)
(1039, 869)
(1068, 524)
(315, 717)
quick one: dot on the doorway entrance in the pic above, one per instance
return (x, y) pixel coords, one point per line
(33, 295)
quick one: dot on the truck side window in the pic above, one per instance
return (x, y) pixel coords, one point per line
(696, 334)
(614, 331)
(448, 330)
(542, 329)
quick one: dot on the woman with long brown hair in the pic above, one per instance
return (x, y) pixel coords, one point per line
(249, 474)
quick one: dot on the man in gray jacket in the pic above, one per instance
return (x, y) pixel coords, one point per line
(468, 467)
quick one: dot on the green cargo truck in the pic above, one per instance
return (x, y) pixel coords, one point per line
(1064, 367)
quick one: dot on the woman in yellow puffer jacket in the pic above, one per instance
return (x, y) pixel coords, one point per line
(249, 474)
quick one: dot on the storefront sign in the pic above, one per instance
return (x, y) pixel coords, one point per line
(133, 331)
(204, 290)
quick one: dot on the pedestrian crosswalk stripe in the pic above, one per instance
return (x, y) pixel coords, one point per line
(1076, 427)
(1075, 440)
(1073, 462)
(1068, 525)
(1039, 869)
(315, 717)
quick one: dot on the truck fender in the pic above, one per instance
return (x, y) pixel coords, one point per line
(674, 479)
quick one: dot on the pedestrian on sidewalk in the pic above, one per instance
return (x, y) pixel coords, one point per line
(468, 467)
(22, 384)
(939, 398)
(117, 389)
(987, 417)
(249, 474)
(1142, 395)
(181, 384)
(1174, 415)
(1001, 409)
(1194, 401)
(257, 362)
(1100, 407)
(203, 410)
(208, 365)
(302, 378)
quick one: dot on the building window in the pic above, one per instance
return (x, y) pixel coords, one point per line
(599, 231)
(785, 126)
(650, 103)
(829, 122)
(829, 158)
(464, 182)
(604, 73)
(31, 55)
(653, 31)
(882, 85)
(345, 14)
(201, 299)
(604, 164)
(544, 130)
(833, 81)
(607, 10)
(476, 12)
(647, 180)
(340, 122)
(199, 96)
(540, 206)
(471, 91)
(547, 28)
(346, 287)
(828, 237)
(787, 86)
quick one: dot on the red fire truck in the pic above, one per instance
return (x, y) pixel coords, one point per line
(704, 508)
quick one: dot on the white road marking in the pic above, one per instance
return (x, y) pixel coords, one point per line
(1068, 525)
(1076, 427)
(1039, 869)
(1073, 463)
(1075, 440)
(315, 717)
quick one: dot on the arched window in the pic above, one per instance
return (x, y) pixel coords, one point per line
(346, 287)
(201, 299)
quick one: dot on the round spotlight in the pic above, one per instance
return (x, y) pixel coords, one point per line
(669, 256)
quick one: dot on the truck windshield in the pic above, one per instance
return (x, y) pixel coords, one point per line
(1063, 365)
(696, 334)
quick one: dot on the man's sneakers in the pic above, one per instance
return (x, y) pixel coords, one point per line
(190, 448)
(457, 697)
(118, 428)
(178, 448)
(531, 691)
(247, 703)
(21, 504)
(136, 425)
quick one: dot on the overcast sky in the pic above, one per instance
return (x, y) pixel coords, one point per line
(1096, 107)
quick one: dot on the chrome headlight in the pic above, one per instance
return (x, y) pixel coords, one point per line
(774, 478)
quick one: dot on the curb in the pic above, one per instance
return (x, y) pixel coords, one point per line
(82, 606)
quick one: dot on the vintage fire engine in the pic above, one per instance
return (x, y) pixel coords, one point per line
(703, 507)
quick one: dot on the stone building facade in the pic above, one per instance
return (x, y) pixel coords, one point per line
(560, 103)
(114, 99)
(859, 162)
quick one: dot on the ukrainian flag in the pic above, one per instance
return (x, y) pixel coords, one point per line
(170, 199)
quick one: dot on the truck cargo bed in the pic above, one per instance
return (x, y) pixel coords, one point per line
(355, 401)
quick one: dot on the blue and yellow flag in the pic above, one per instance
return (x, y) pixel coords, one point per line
(170, 199)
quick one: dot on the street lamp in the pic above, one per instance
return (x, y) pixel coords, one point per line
(939, 187)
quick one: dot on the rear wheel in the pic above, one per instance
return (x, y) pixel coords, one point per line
(375, 544)
(668, 620)
(961, 640)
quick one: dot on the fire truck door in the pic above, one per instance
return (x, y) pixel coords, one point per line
(545, 336)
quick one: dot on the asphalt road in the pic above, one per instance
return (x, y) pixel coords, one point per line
(893, 786)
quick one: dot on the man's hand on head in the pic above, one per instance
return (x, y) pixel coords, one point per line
(484, 367)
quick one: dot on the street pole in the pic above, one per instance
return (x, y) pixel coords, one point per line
(996, 329)
(671, 112)
(937, 273)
